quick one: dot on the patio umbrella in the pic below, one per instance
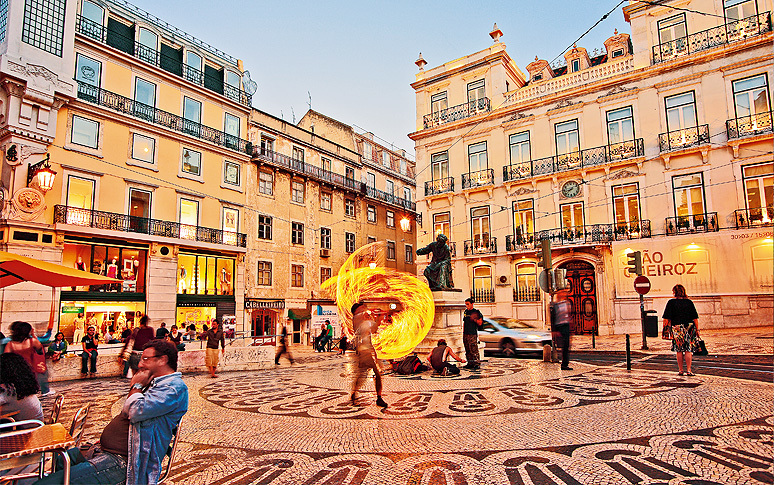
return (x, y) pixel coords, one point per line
(15, 268)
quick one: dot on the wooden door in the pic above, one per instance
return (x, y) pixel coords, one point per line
(583, 296)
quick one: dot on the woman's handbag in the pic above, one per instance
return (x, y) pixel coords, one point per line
(39, 362)
(127, 352)
(701, 349)
(666, 332)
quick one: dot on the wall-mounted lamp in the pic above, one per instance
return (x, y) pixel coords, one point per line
(405, 224)
(42, 174)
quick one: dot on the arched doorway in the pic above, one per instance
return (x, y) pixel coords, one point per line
(583, 296)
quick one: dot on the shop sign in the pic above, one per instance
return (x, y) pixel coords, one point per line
(320, 313)
(256, 303)
(196, 304)
(72, 309)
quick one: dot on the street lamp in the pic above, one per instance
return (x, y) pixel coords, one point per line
(42, 173)
(405, 224)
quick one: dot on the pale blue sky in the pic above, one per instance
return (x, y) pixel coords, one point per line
(357, 58)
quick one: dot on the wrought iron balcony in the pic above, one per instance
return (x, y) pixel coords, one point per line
(455, 113)
(685, 138)
(526, 293)
(389, 198)
(516, 171)
(143, 225)
(752, 125)
(482, 296)
(591, 234)
(705, 222)
(759, 216)
(478, 179)
(312, 171)
(520, 241)
(732, 31)
(483, 245)
(632, 230)
(122, 104)
(173, 65)
(587, 157)
(440, 186)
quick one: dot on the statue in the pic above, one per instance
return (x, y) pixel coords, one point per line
(439, 271)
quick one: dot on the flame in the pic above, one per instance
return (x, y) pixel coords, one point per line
(359, 280)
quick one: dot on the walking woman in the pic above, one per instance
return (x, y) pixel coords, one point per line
(25, 343)
(681, 316)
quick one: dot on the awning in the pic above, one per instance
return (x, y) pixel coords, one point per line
(299, 314)
(15, 268)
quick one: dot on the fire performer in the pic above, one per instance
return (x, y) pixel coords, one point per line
(365, 325)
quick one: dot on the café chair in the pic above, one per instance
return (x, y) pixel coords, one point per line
(171, 449)
(13, 436)
(77, 426)
(56, 409)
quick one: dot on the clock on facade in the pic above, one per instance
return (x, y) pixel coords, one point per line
(571, 189)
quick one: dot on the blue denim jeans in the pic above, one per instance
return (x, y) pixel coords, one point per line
(87, 358)
(102, 469)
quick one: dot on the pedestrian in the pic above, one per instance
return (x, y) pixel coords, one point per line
(89, 343)
(365, 325)
(470, 335)
(134, 344)
(57, 347)
(319, 341)
(283, 347)
(439, 359)
(214, 336)
(133, 445)
(25, 343)
(343, 345)
(162, 331)
(560, 311)
(18, 389)
(175, 337)
(681, 316)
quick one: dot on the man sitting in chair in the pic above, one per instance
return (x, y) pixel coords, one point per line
(132, 446)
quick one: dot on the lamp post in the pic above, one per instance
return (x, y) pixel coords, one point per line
(42, 174)
(405, 224)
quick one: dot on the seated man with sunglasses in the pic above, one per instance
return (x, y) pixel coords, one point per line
(134, 443)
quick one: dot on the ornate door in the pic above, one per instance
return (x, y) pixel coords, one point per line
(583, 296)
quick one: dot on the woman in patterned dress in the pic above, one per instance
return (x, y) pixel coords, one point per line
(680, 314)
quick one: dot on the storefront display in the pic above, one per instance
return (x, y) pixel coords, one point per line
(113, 261)
(205, 275)
(103, 315)
(199, 315)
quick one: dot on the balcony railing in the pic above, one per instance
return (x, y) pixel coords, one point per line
(390, 199)
(122, 104)
(685, 138)
(440, 186)
(759, 216)
(482, 296)
(526, 293)
(587, 157)
(173, 65)
(478, 179)
(592, 233)
(706, 222)
(632, 230)
(310, 170)
(757, 124)
(732, 31)
(455, 113)
(485, 245)
(520, 242)
(143, 225)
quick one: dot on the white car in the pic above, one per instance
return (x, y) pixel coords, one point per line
(510, 336)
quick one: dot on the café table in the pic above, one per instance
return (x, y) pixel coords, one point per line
(15, 446)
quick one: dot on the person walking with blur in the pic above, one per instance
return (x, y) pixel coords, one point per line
(681, 316)
(560, 311)
(134, 344)
(26, 344)
(283, 348)
(365, 325)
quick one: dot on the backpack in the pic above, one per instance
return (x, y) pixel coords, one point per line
(408, 365)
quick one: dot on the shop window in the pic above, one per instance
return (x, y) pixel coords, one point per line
(371, 214)
(391, 250)
(88, 70)
(205, 275)
(264, 273)
(125, 264)
(264, 227)
(297, 233)
(349, 242)
(192, 162)
(326, 199)
(297, 276)
(390, 219)
(85, 132)
(266, 183)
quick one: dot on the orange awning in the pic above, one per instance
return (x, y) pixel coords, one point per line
(15, 268)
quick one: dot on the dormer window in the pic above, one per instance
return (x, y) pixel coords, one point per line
(575, 65)
(618, 53)
(538, 77)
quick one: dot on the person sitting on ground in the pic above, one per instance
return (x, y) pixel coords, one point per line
(439, 359)
(162, 331)
(133, 445)
(18, 389)
(57, 347)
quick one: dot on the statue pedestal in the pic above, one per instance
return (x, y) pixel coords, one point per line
(447, 324)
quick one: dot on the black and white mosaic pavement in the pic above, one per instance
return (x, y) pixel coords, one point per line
(515, 422)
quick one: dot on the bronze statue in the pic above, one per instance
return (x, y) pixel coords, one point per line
(439, 271)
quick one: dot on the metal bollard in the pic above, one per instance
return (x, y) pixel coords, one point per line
(628, 353)
(546, 353)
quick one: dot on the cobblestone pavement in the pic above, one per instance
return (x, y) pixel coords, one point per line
(519, 422)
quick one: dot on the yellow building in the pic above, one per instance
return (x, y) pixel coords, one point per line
(659, 143)
(145, 127)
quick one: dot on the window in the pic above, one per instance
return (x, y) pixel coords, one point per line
(440, 165)
(297, 275)
(689, 199)
(367, 151)
(193, 67)
(93, 13)
(572, 220)
(188, 218)
(145, 49)
(143, 148)
(371, 214)
(44, 22)
(297, 192)
(519, 148)
(389, 187)
(442, 224)
(296, 233)
(567, 143)
(680, 111)
(264, 227)
(326, 164)
(390, 219)
(386, 159)
(618, 53)
(740, 9)
(325, 274)
(476, 92)
(391, 250)
(231, 173)
(482, 284)
(264, 273)
(231, 125)
(349, 242)
(407, 194)
(477, 158)
(438, 103)
(479, 225)
(233, 79)
(759, 192)
(672, 35)
(80, 195)
(87, 70)
(526, 288)
(349, 207)
(326, 199)
(192, 116)
(370, 239)
(298, 154)
(575, 65)
(626, 208)
(267, 146)
(349, 173)
(751, 99)
(145, 97)
(266, 183)
(371, 180)
(230, 225)
(139, 203)
(538, 77)
(85, 132)
(409, 249)
(192, 162)
(403, 167)
(203, 275)
(620, 125)
(325, 237)
(523, 221)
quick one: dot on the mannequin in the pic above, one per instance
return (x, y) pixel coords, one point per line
(225, 282)
(112, 269)
(120, 323)
(78, 325)
(181, 282)
(79, 264)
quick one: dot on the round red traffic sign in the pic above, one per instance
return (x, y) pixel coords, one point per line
(642, 285)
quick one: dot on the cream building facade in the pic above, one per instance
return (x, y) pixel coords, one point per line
(660, 142)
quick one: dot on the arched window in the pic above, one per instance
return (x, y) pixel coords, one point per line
(526, 288)
(482, 285)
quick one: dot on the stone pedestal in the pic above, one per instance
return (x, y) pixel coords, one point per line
(447, 324)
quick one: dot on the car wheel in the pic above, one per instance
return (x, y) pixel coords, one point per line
(507, 348)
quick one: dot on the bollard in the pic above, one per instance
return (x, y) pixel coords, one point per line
(546, 353)
(628, 353)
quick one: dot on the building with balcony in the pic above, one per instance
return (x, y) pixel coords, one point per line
(310, 207)
(660, 142)
(145, 127)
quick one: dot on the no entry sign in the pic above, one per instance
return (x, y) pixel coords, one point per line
(642, 285)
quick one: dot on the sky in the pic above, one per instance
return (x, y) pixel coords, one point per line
(356, 59)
